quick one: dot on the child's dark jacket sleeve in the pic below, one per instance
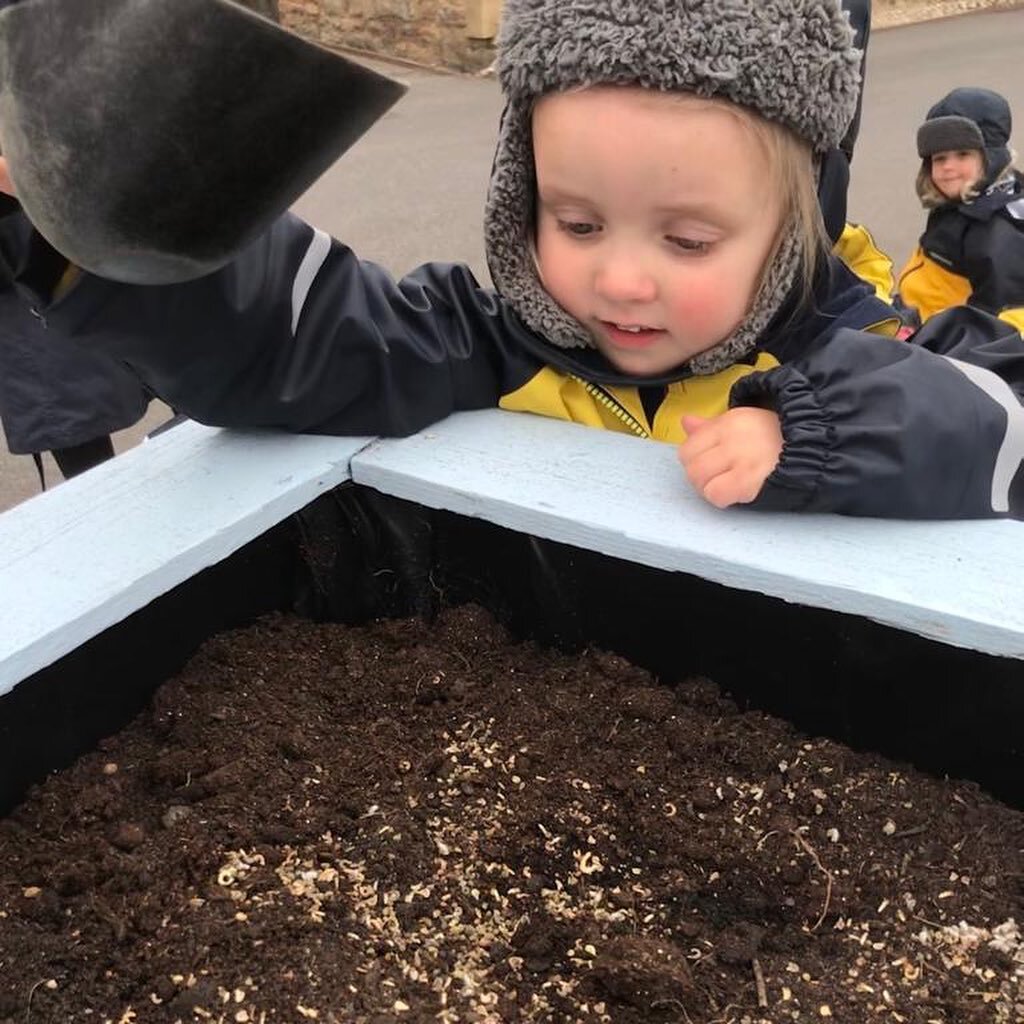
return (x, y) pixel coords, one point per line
(297, 333)
(933, 428)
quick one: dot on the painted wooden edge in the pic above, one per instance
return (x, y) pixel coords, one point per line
(91, 551)
(952, 581)
(88, 553)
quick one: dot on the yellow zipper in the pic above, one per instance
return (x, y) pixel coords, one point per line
(613, 406)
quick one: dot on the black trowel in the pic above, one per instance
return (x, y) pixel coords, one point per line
(150, 140)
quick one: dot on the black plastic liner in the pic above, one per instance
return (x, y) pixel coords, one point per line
(355, 554)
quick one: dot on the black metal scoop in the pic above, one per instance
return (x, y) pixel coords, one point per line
(150, 140)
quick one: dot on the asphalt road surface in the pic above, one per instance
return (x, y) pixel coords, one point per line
(413, 189)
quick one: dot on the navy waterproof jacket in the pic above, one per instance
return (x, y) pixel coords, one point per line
(298, 333)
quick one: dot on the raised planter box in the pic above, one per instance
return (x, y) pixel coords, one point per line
(904, 637)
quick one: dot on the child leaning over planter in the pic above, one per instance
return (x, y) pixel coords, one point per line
(972, 249)
(656, 243)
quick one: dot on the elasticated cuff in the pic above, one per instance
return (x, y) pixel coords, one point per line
(808, 436)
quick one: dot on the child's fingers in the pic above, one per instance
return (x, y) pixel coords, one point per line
(700, 437)
(728, 458)
(734, 487)
(706, 466)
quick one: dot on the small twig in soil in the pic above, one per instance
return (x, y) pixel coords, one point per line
(31, 993)
(660, 1003)
(907, 832)
(962, 842)
(821, 867)
(929, 966)
(465, 661)
(762, 990)
(728, 1018)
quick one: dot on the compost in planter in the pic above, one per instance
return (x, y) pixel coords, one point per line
(423, 821)
(431, 820)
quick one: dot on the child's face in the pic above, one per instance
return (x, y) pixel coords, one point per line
(954, 170)
(656, 215)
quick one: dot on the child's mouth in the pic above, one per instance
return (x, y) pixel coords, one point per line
(630, 335)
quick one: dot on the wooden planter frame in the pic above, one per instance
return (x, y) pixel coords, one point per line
(904, 636)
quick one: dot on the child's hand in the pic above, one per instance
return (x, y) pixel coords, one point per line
(728, 458)
(6, 185)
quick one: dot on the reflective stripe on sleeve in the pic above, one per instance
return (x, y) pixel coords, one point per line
(316, 254)
(1011, 451)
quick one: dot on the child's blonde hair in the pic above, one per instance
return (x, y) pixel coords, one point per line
(790, 162)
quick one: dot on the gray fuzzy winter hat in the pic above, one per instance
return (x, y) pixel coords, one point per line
(792, 61)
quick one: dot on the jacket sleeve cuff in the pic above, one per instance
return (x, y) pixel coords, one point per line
(808, 436)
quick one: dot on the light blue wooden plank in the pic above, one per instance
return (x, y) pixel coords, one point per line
(957, 582)
(88, 553)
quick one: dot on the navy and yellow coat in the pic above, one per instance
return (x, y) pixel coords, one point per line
(298, 333)
(970, 254)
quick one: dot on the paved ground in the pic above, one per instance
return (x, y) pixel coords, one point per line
(413, 189)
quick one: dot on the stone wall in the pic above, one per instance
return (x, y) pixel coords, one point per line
(431, 32)
(440, 33)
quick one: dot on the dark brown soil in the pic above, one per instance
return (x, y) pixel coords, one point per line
(406, 822)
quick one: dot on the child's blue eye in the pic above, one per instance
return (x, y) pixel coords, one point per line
(577, 227)
(689, 244)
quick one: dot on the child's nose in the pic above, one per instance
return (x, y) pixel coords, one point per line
(623, 279)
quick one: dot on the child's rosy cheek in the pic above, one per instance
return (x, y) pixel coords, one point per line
(696, 305)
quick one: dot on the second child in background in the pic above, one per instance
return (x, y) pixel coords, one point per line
(972, 249)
